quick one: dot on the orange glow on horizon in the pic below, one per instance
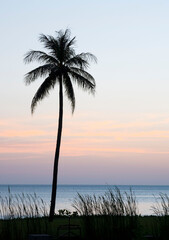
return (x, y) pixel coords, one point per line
(84, 138)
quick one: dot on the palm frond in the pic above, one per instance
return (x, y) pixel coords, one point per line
(43, 91)
(82, 82)
(51, 44)
(77, 61)
(61, 60)
(61, 46)
(49, 41)
(81, 60)
(41, 71)
(39, 56)
(64, 34)
(71, 42)
(69, 51)
(84, 74)
(89, 57)
(69, 90)
(63, 37)
(65, 49)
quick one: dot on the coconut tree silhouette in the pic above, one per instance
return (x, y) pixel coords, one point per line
(62, 66)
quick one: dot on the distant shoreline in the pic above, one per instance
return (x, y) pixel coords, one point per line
(90, 185)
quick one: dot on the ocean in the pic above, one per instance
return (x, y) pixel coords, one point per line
(146, 195)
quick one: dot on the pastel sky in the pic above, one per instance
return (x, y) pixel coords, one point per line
(120, 136)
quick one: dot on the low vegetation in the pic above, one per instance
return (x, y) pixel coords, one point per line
(113, 215)
(112, 203)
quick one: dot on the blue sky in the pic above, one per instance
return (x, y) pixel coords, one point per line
(120, 136)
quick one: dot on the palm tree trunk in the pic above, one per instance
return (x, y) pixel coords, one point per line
(56, 160)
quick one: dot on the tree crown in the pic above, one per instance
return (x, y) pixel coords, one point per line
(60, 63)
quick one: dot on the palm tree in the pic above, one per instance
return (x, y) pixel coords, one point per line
(62, 66)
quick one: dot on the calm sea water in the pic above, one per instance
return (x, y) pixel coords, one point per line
(146, 195)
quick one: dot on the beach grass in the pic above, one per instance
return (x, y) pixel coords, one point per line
(112, 215)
